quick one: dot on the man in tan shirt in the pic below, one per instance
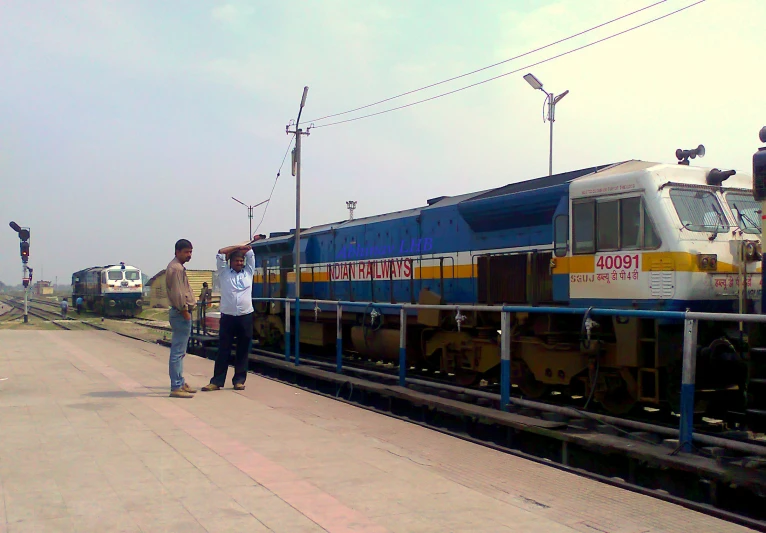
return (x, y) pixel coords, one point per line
(182, 303)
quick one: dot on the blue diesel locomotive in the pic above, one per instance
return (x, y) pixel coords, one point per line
(634, 234)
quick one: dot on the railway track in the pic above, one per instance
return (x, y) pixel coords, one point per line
(35, 309)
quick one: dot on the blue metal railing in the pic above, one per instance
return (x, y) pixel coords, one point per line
(690, 320)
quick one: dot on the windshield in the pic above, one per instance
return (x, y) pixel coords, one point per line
(132, 275)
(115, 274)
(746, 211)
(699, 210)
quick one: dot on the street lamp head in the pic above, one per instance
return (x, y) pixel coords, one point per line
(534, 82)
(559, 97)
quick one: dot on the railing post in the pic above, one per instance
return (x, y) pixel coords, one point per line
(505, 359)
(687, 384)
(297, 331)
(402, 346)
(339, 342)
(287, 330)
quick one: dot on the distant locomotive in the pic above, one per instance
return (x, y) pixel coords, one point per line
(632, 235)
(113, 290)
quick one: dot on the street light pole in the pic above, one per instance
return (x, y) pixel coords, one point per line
(250, 213)
(552, 101)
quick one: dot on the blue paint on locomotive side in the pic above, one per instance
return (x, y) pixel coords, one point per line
(432, 232)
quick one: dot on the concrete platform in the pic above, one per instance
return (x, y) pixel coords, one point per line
(91, 442)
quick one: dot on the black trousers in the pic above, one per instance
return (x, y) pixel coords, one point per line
(231, 327)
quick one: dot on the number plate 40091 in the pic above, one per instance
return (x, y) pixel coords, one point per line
(617, 262)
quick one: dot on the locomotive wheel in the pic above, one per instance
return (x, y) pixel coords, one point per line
(529, 386)
(618, 399)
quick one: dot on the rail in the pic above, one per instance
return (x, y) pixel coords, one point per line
(690, 320)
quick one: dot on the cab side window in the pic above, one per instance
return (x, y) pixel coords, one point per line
(612, 225)
(584, 227)
(630, 223)
(607, 214)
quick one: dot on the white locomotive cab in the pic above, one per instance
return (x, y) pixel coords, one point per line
(646, 231)
(122, 279)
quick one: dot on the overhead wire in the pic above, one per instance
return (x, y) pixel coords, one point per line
(513, 71)
(275, 184)
(492, 65)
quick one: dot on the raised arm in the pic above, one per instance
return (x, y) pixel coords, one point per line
(230, 249)
(250, 260)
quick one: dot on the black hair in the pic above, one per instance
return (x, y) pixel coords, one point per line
(235, 254)
(183, 244)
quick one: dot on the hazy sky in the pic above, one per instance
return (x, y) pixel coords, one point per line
(127, 125)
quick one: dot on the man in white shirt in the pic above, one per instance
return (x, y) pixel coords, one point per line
(236, 266)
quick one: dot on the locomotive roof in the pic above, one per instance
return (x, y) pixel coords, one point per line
(544, 182)
(91, 269)
(535, 184)
(439, 202)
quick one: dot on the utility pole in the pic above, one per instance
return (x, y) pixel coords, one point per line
(297, 173)
(249, 214)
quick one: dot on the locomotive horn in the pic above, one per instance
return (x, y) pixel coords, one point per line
(684, 155)
(717, 177)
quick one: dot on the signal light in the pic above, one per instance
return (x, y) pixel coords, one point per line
(24, 246)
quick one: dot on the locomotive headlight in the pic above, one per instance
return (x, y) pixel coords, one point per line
(752, 251)
(112, 303)
(707, 262)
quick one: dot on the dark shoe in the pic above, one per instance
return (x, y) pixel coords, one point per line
(239, 386)
(180, 393)
(210, 386)
(188, 389)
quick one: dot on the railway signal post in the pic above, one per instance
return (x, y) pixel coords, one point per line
(297, 173)
(26, 272)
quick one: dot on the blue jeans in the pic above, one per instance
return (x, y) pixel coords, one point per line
(181, 332)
